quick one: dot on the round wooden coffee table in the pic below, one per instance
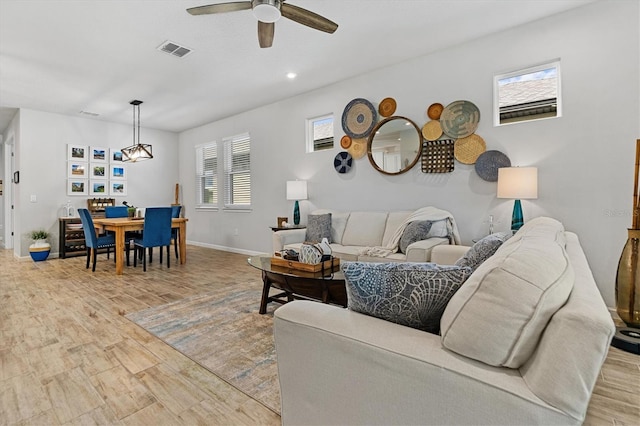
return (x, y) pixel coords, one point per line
(325, 286)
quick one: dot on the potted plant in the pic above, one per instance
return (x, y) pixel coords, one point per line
(40, 248)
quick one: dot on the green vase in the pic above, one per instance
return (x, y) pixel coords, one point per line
(628, 281)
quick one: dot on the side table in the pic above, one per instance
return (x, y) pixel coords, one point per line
(284, 228)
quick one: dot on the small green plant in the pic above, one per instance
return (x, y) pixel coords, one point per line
(39, 234)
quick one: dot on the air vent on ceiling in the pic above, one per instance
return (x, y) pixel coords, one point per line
(174, 49)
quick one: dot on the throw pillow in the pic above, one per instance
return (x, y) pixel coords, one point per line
(318, 227)
(414, 231)
(411, 294)
(483, 249)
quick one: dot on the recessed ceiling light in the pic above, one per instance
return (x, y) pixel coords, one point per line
(291, 75)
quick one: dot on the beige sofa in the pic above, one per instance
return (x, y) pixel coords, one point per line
(519, 345)
(353, 232)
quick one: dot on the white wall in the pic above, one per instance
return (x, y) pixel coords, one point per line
(41, 158)
(585, 158)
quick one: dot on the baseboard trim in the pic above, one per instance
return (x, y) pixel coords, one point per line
(224, 248)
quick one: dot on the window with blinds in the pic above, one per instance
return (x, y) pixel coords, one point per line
(237, 172)
(320, 133)
(207, 175)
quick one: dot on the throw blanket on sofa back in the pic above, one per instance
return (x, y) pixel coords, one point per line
(425, 213)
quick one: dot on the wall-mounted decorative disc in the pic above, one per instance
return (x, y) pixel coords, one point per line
(358, 148)
(432, 130)
(459, 119)
(488, 164)
(437, 156)
(343, 162)
(359, 118)
(434, 111)
(467, 150)
(345, 142)
(387, 107)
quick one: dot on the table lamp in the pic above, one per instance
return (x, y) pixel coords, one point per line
(518, 183)
(296, 190)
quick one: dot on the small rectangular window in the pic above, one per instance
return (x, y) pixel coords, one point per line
(320, 133)
(207, 175)
(237, 171)
(528, 94)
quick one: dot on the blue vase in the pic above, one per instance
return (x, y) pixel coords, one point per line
(517, 220)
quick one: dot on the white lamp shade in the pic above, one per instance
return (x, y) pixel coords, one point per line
(518, 183)
(296, 190)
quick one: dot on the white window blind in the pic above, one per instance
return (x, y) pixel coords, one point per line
(237, 172)
(207, 175)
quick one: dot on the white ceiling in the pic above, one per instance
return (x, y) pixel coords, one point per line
(67, 56)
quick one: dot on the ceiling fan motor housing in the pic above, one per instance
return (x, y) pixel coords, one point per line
(266, 10)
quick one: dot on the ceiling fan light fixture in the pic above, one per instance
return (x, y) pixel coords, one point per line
(267, 10)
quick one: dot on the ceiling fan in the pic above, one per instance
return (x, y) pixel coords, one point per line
(268, 12)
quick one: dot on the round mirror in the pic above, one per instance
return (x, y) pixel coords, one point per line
(394, 145)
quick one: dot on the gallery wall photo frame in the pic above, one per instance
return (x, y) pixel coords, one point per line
(77, 152)
(98, 154)
(115, 155)
(77, 186)
(118, 172)
(98, 171)
(118, 188)
(77, 169)
(98, 187)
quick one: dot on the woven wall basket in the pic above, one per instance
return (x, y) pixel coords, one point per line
(468, 149)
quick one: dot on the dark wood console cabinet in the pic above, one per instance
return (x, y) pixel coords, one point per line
(71, 238)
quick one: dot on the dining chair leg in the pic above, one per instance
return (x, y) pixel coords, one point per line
(88, 256)
(168, 256)
(150, 254)
(95, 257)
(175, 243)
(144, 259)
(160, 255)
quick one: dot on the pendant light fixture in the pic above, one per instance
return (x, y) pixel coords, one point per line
(138, 151)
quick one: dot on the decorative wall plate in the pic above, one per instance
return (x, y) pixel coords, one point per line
(345, 142)
(343, 162)
(359, 118)
(434, 111)
(437, 156)
(432, 130)
(489, 162)
(459, 119)
(467, 150)
(387, 107)
(358, 148)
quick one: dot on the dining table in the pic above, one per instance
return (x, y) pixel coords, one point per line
(120, 225)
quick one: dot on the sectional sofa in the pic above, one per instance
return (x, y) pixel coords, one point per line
(521, 342)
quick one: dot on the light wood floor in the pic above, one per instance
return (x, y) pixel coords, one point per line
(68, 356)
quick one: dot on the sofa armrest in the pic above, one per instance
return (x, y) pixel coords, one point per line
(287, 236)
(389, 374)
(420, 251)
(448, 254)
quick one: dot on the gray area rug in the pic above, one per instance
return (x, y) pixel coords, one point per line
(226, 335)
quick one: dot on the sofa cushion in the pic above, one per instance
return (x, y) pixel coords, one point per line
(415, 231)
(338, 223)
(483, 249)
(364, 229)
(499, 314)
(318, 227)
(411, 294)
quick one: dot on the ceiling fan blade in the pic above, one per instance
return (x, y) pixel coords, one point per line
(265, 33)
(308, 18)
(220, 8)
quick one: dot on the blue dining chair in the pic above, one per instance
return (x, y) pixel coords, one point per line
(175, 232)
(92, 241)
(122, 211)
(156, 232)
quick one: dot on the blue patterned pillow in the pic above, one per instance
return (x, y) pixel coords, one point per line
(483, 249)
(414, 231)
(411, 294)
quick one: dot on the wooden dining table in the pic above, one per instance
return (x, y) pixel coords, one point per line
(120, 225)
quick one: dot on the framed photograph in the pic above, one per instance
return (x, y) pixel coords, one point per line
(77, 153)
(98, 154)
(98, 171)
(116, 155)
(118, 188)
(77, 169)
(118, 172)
(98, 187)
(77, 186)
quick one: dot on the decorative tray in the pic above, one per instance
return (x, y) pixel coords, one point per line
(327, 265)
